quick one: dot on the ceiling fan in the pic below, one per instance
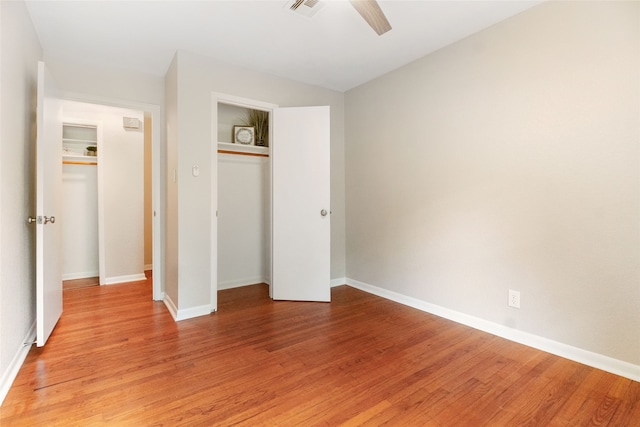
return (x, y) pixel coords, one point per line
(369, 9)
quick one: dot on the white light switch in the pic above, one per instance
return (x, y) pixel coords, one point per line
(195, 170)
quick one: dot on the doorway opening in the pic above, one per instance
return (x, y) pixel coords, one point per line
(243, 193)
(119, 189)
(103, 186)
(244, 196)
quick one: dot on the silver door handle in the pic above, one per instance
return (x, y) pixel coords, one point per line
(323, 212)
(32, 220)
(51, 219)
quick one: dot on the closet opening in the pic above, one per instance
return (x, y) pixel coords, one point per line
(243, 202)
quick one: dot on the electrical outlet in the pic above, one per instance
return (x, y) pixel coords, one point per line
(514, 299)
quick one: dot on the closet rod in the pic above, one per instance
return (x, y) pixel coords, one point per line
(239, 153)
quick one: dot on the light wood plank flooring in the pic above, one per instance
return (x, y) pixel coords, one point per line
(80, 283)
(118, 358)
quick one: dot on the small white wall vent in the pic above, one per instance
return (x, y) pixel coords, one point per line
(131, 123)
(306, 8)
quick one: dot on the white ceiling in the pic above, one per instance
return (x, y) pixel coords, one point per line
(335, 49)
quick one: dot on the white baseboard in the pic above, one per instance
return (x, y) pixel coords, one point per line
(124, 279)
(173, 310)
(230, 284)
(148, 267)
(187, 313)
(599, 361)
(252, 281)
(81, 275)
(338, 282)
(10, 374)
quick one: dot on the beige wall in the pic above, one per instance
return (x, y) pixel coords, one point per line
(508, 160)
(171, 213)
(75, 77)
(18, 79)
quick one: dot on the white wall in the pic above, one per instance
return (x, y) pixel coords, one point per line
(197, 78)
(509, 160)
(121, 160)
(243, 226)
(20, 51)
(79, 221)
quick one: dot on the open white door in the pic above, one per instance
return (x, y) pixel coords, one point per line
(301, 253)
(48, 183)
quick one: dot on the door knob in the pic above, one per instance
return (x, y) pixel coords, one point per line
(32, 220)
(323, 212)
(51, 219)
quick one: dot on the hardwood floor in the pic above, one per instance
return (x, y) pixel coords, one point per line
(92, 281)
(80, 283)
(118, 358)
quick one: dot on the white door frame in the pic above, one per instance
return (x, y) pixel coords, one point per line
(237, 101)
(156, 177)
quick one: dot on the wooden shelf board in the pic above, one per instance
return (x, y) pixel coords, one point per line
(70, 159)
(242, 150)
(76, 162)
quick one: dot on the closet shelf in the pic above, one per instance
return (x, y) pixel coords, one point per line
(69, 159)
(79, 141)
(243, 150)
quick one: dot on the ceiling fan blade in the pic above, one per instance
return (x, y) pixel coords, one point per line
(371, 12)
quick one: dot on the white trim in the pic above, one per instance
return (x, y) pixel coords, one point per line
(241, 102)
(124, 279)
(82, 275)
(338, 282)
(4, 376)
(189, 313)
(171, 307)
(230, 284)
(10, 374)
(213, 236)
(148, 267)
(579, 355)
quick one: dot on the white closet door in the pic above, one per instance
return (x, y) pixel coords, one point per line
(48, 192)
(301, 204)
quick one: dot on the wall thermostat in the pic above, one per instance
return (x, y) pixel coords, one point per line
(131, 123)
